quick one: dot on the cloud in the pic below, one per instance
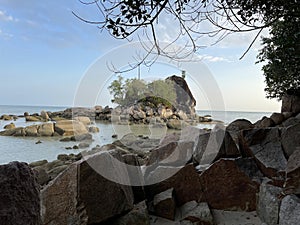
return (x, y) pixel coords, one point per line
(5, 35)
(7, 18)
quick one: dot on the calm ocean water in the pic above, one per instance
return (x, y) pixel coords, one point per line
(24, 148)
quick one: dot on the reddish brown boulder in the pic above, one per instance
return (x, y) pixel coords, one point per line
(164, 204)
(19, 195)
(186, 183)
(227, 187)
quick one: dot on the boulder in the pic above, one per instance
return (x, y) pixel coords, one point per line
(94, 129)
(290, 139)
(9, 126)
(277, 118)
(292, 182)
(44, 115)
(91, 198)
(6, 117)
(164, 204)
(196, 213)
(290, 122)
(268, 203)
(83, 119)
(19, 132)
(174, 153)
(38, 163)
(264, 123)
(83, 145)
(264, 145)
(168, 138)
(56, 171)
(225, 186)
(137, 216)
(31, 131)
(10, 132)
(46, 129)
(291, 102)
(20, 200)
(41, 175)
(32, 118)
(184, 180)
(175, 124)
(70, 127)
(289, 210)
(239, 124)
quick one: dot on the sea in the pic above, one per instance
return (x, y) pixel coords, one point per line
(26, 149)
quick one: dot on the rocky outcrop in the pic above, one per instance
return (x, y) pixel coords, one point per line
(20, 201)
(291, 101)
(289, 210)
(226, 186)
(70, 127)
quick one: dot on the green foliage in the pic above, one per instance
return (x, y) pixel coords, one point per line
(281, 55)
(133, 90)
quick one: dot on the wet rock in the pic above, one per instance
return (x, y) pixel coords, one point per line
(227, 187)
(268, 203)
(184, 180)
(196, 213)
(83, 145)
(290, 139)
(292, 183)
(20, 201)
(289, 210)
(164, 204)
(19, 132)
(9, 126)
(38, 142)
(38, 163)
(46, 129)
(94, 129)
(265, 146)
(70, 128)
(82, 137)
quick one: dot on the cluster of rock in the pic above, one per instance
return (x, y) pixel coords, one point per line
(78, 126)
(182, 179)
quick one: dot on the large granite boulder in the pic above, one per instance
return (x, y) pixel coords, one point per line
(91, 198)
(70, 127)
(228, 186)
(292, 182)
(9, 126)
(264, 145)
(164, 204)
(291, 101)
(268, 204)
(239, 124)
(290, 139)
(19, 194)
(289, 210)
(46, 129)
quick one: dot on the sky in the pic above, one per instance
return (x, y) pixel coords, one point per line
(47, 55)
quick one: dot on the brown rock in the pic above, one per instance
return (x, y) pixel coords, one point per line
(239, 124)
(20, 201)
(46, 129)
(94, 129)
(164, 204)
(31, 131)
(6, 117)
(264, 123)
(32, 118)
(292, 183)
(227, 187)
(290, 139)
(70, 127)
(9, 126)
(41, 175)
(44, 115)
(184, 182)
(83, 119)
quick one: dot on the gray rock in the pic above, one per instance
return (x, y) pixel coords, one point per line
(196, 213)
(265, 123)
(82, 137)
(291, 122)
(83, 145)
(239, 124)
(290, 103)
(70, 128)
(289, 210)
(94, 129)
(268, 203)
(56, 171)
(164, 204)
(38, 163)
(41, 175)
(277, 118)
(31, 131)
(44, 115)
(292, 182)
(175, 124)
(33, 118)
(290, 139)
(20, 200)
